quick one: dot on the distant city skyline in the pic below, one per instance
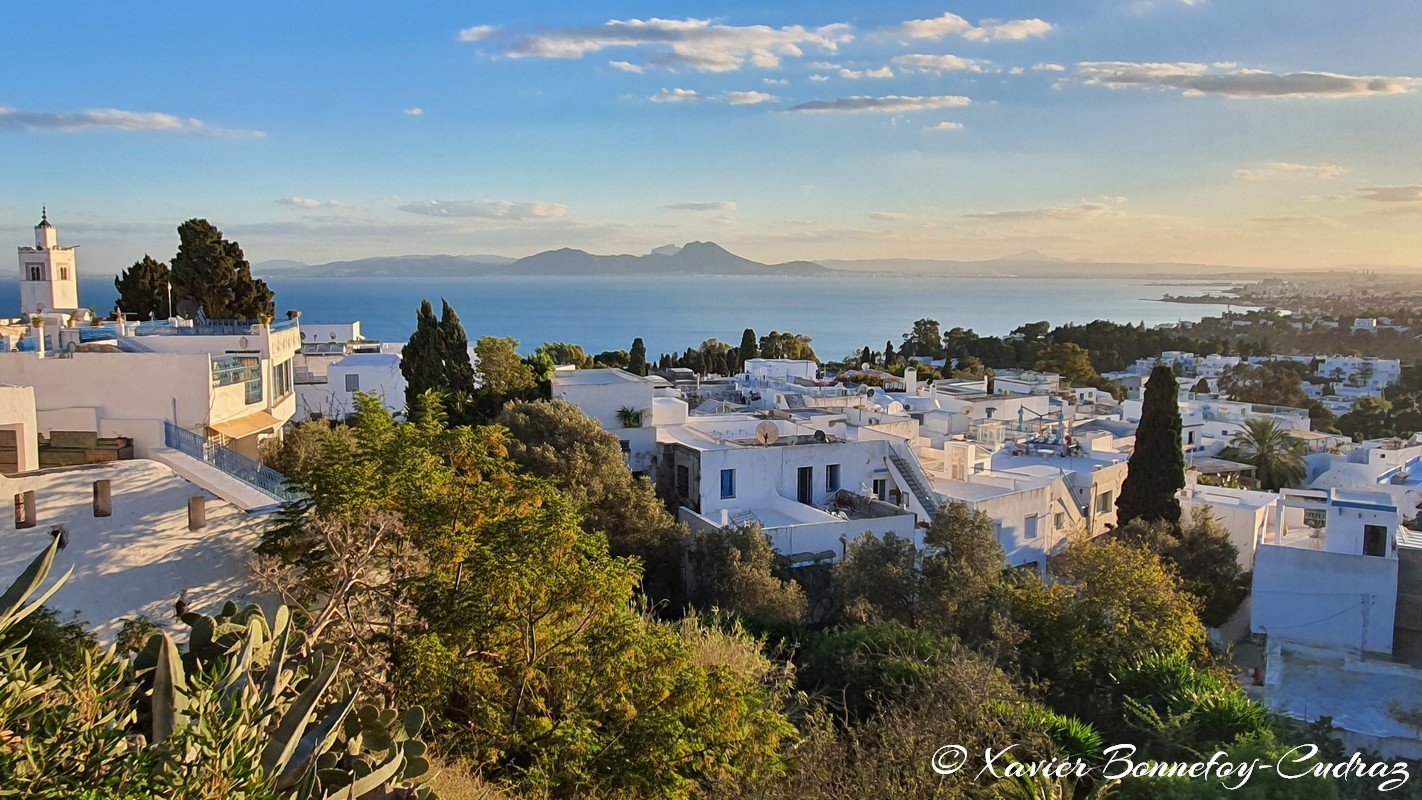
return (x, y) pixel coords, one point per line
(1259, 133)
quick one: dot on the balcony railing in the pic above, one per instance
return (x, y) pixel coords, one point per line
(263, 479)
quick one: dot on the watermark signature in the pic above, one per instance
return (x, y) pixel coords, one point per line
(1120, 761)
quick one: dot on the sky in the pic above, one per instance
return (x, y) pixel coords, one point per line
(1270, 133)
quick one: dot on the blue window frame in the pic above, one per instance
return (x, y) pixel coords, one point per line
(728, 484)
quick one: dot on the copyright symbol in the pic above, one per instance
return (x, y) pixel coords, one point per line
(949, 759)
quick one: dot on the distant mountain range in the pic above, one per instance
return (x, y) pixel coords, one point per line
(694, 258)
(709, 258)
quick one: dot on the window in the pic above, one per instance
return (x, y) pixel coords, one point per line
(625, 445)
(728, 484)
(281, 380)
(832, 478)
(64, 273)
(805, 485)
(35, 271)
(881, 488)
(1059, 521)
(1103, 503)
(352, 382)
(1374, 540)
(683, 480)
(103, 499)
(25, 509)
(1029, 526)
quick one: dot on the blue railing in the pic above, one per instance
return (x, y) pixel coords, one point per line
(212, 327)
(261, 478)
(284, 324)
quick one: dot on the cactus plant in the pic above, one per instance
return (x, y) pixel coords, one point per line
(241, 712)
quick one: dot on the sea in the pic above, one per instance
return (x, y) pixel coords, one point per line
(841, 315)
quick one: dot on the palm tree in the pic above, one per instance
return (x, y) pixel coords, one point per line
(1277, 457)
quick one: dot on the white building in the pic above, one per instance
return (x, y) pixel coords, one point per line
(810, 491)
(49, 280)
(625, 405)
(1326, 575)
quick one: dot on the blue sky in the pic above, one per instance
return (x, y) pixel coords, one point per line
(1252, 132)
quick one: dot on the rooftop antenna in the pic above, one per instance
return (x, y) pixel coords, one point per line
(766, 432)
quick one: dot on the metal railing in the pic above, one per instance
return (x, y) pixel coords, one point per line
(263, 479)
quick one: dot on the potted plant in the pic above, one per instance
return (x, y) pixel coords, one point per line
(94, 318)
(629, 417)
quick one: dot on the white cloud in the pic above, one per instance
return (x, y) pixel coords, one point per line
(888, 216)
(478, 33)
(1392, 194)
(1198, 79)
(748, 98)
(695, 44)
(112, 119)
(1279, 169)
(309, 203)
(1086, 208)
(775, 81)
(1016, 71)
(819, 78)
(675, 96)
(946, 126)
(627, 66)
(487, 209)
(414, 112)
(944, 63)
(888, 103)
(855, 74)
(726, 206)
(1048, 68)
(954, 25)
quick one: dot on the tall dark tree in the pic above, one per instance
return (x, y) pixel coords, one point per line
(749, 348)
(889, 354)
(143, 289)
(454, 351)
(637, 357)
(1156, 470)
(421, 360)
(866, 356)
(211, 273)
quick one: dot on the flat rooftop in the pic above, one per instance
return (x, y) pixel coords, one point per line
(594, 377)
(369, 360)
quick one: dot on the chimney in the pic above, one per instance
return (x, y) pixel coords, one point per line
(725, 518)
(911, 381)
(39, 337)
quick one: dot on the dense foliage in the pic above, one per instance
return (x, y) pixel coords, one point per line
(211, 273)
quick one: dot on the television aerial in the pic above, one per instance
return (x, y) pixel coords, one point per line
(766, 432)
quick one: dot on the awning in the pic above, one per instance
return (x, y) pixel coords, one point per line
(246, 426)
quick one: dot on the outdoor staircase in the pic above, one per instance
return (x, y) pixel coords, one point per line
(912, 473)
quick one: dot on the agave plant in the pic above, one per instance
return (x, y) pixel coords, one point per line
(242, 713)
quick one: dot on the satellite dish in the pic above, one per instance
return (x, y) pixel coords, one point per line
(968, 410)
(864, 367)
(766, 432)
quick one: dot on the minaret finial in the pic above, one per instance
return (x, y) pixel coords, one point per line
(44, 214)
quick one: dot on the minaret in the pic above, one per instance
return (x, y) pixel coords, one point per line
(48, 279)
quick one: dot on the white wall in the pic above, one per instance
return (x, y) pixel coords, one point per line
(1325, 599)
(764, 474)
(17, 413)
(386, 381)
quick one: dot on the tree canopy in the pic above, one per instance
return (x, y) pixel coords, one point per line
(143, 289)
(212, 274)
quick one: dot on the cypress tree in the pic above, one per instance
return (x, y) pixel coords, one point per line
(748, 349)
(421, 360)
(888, 353)
(637, 357)
(1156, 470)
(454, 350)
(867, 357)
